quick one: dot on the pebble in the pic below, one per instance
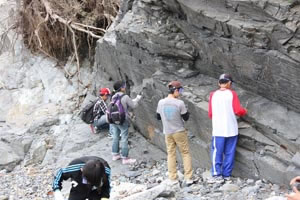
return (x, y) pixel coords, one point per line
(34, 182)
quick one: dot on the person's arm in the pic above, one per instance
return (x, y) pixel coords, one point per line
(237, 108)
(158, 117)
(294, 180)
(96, 108)
(296, 194)
(131, 103)
(65, 174)
(185, 116)
(183, 111)
(103, 107)
(210, 106)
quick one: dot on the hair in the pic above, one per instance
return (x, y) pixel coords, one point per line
(118, 85)
(172, 89)
(223, 81)
(94, 172)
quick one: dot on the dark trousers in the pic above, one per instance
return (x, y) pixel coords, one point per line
(82, 192)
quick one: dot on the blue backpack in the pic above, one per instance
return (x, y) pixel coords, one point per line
(115, 111)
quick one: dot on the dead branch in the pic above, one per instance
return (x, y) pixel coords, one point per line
(71, 24)
(91, 27)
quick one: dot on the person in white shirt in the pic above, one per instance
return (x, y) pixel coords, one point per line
(224, 105)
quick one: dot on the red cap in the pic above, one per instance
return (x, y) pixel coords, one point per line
(104, 91)
(175, 84)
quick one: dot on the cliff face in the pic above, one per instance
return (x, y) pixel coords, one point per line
(194, 41)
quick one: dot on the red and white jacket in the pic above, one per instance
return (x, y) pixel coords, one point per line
(223, 106)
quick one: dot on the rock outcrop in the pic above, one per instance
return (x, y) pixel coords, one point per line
(153, 42)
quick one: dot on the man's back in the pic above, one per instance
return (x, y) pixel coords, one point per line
(224, 104)
(170, 110)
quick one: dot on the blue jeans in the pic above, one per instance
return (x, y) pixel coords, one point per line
(101, 123)
(120, 132)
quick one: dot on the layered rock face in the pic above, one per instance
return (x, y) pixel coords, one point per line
(194, 41)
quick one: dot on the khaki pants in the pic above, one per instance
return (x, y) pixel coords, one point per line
(180, 140)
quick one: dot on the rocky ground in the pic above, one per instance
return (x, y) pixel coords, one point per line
(144, 180)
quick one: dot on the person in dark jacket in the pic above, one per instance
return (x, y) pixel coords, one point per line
(90, 176)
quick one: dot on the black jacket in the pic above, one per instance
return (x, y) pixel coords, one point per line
(73, 171)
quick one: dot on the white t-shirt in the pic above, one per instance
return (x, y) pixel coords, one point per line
(170, 110)
(223, 106)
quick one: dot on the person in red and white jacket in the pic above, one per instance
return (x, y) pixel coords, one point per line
(224, 105)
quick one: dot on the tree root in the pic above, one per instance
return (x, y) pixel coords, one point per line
(62, 28)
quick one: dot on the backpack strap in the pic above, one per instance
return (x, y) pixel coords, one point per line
(115, 99)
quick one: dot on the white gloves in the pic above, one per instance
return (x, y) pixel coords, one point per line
(138, 97)
(58, 195)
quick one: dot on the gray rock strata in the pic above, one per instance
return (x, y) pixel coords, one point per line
(154, 42)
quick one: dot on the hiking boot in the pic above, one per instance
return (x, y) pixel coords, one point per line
(216, 179)
(128, 161)
(92, 128)
(116, 157)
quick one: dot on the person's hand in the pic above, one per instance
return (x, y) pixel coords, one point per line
(58, 195)
(293, 196)
(138, 97)
(294, 180)
(296, 194)
(104, 199)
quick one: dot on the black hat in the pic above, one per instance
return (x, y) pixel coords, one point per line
(118, 85)
(225, 78)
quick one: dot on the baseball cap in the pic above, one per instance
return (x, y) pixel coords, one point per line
(225, 77)
(118, 85)
(175, 84)
(104, 91)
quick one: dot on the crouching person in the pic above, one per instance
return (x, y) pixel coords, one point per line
(90, 178)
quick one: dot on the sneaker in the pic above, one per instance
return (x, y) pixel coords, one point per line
(92, 128)
(109, 135)
(216, 179)
(116, 157)
(171, 182)
(97, 130)
(227, 178)
(188, 181)
(128, 161)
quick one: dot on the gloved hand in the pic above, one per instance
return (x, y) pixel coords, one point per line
(58, 195)
(104, 198)
(138, 97)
